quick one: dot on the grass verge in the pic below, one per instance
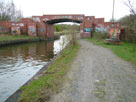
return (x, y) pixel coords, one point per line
(124, 50)
(40, 90)
(15, 37)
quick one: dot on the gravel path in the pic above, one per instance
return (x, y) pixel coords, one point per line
(97, 75)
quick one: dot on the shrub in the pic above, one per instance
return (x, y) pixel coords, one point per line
(100, 35)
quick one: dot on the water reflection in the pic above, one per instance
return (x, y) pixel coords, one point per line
(18, 63)
(11, 58)
(32, 50)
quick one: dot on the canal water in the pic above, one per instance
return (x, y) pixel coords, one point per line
(19, 63)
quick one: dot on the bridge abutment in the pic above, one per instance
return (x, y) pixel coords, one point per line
(49, 31)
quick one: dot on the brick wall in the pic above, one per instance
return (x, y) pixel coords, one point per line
(32, 30)
(35, 26)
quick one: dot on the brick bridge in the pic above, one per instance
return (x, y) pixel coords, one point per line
(44, 25)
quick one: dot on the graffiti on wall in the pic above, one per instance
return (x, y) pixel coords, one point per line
(115, 32)
(15, 30)
(36, 19)
(57, 17)
(81, 31)
(107, 27)
(41, 30)
(100, 28)
(32, 30)
(18, 24)
(69, 17)
(80, 17)
(87, 29)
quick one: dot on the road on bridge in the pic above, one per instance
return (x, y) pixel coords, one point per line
(97, 75)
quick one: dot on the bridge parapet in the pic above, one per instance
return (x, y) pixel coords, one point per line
(73, 17)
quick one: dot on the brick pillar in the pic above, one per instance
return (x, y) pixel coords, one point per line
(49, 31)
(84, 30)
(86, 27)
(81, 30)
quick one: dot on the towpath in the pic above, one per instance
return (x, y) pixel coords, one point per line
(97, 75)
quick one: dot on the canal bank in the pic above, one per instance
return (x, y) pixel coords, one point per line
(47, 81)
(11, 40)
(52, 79)
(14, 97)
(20, 62)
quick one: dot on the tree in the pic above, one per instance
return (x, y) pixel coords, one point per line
(8, 12)
(130, 4)
(58, 28)
(130, 21)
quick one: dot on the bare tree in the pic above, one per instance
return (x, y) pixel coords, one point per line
(8, 11)
(132, 20)
(131, 7)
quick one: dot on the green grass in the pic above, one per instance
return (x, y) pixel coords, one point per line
(40, 90)
(124, 50)
(13, 37)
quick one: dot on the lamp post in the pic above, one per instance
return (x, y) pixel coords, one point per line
(113, 18)
(113, 40)
(113, 11)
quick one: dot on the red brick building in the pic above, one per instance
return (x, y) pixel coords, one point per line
(44, 25)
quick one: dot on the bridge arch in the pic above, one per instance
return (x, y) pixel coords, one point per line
(53, 21)
(46, 23)
(50, 25)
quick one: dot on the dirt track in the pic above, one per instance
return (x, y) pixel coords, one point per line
(97, 75)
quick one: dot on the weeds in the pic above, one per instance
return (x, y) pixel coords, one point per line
(40, 90)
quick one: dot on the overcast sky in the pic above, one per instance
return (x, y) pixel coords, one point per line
(98, 8)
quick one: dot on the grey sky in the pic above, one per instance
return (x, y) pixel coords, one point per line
(98, 8)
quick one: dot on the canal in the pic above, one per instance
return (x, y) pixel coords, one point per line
(19, 63)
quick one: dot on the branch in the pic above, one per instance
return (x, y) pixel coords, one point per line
(130, 6)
